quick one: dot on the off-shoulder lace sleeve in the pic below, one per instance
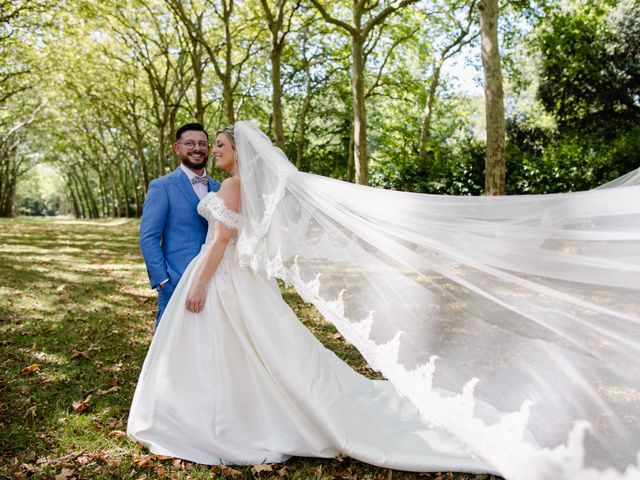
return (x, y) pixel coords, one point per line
(213, 208)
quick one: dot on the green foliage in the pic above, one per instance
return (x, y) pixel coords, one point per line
(591, 67)
(451, 170)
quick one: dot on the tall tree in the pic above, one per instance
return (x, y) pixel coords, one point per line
(228, 51)
(359, 29)
(278, 18)
(458, 32)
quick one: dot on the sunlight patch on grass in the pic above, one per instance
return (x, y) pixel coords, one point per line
(44, 357)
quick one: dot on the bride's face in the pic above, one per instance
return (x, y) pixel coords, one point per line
(224, 153)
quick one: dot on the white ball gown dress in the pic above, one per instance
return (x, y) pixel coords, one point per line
(244, 382)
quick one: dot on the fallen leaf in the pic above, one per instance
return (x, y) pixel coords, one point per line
(226, 471)
(117, 434)
(112, 382)
(31, 369)
(282, 472)
(27, 467)
(262, 467)
(100, 456)
(31, 411)
(64, 474)
(83, 460)
(161, 457)
(143, 462)
(42, 460)
(79, 353)
(111, 390)
(177, 462)
(82, 405)
(113, 467)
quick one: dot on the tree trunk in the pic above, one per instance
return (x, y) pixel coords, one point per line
(227, 81)
(123, 189)
(276, 91)
(82, 201)
(91, 201)
(350, 158)
(74, 200)
(134, 186)
(114, 193)
(494, 99)
(425, 129)
(302, 122)
(198, 74)
(360, 159)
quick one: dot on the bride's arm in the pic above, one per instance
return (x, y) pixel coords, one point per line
(230, 194)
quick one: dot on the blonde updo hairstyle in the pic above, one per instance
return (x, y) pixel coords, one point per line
(228, 131)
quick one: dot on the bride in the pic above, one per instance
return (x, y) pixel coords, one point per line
(508, 328)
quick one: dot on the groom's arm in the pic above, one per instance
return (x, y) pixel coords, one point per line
(154, 217)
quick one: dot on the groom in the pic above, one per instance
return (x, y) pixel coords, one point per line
(172, 231)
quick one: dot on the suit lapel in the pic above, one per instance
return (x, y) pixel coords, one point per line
(213, 185)
(183, 184)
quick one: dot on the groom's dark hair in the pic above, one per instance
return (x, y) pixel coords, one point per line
(190, 126)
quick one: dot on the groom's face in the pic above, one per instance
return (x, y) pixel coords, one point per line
(192, 149)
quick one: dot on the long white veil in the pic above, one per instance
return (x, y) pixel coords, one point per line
(511, 322)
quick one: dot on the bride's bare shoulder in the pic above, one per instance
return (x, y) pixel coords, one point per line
(230, 193)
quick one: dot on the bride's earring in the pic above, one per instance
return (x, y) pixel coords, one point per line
(235, 162)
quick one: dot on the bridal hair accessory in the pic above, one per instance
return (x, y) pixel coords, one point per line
(229, 132)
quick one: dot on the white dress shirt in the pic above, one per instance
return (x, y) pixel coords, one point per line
(200, 188)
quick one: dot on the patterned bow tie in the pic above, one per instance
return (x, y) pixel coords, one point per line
(202, 180)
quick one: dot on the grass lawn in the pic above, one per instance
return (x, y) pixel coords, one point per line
(76, 317)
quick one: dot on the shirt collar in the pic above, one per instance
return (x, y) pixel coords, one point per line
(190, 173)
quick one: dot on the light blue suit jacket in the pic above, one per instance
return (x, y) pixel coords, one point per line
(172, 232)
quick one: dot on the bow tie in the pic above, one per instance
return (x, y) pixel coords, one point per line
(202, 180)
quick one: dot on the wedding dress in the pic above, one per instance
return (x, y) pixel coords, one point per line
(510, 324)
(245, 382)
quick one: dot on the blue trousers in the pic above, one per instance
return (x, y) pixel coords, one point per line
(164, 295)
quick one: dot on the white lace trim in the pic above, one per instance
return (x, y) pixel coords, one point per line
(501, 442)
(212, 207)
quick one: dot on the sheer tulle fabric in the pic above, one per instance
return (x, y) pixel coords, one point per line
(527, 304)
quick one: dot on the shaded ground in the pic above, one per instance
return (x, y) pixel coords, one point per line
(76, 317)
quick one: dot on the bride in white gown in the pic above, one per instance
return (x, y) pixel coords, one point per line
(235, 378)
(508, 328)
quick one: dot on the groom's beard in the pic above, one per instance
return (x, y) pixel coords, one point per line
(194, 162)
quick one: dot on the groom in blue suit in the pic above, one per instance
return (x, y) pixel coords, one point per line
(172, 231)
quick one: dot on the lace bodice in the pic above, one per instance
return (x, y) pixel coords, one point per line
(214, 210)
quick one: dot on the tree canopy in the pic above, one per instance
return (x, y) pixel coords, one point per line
(354, 90)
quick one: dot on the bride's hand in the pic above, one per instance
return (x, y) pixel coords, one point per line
(195, 299)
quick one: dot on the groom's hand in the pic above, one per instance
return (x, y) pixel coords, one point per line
(196, 298)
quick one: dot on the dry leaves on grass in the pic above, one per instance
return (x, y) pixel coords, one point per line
(31, 411)
(268, 469)
(65, 474)
(143, 462)
(81, 405)
(79, 354)
(31, 369)
(226, 472)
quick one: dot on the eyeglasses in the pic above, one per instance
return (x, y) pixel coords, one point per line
(190, 144)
